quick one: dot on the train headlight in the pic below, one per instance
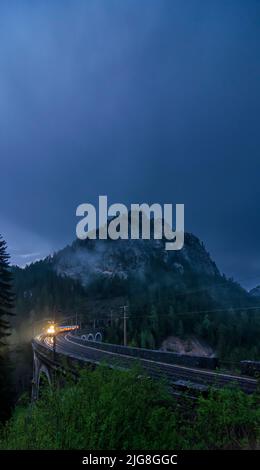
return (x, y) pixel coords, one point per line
(51, 330)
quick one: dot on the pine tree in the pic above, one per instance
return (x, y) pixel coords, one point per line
(154, 321)
(6, 309)
(180, 329)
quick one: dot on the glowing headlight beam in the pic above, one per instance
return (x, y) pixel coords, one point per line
(51, 330)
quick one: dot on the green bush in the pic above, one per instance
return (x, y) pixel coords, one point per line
(112, 409)
(226, 419)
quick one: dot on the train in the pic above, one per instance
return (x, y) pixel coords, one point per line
(53, 329)
(62, 328)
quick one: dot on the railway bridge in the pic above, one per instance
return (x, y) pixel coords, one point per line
(50, 365)
(53, 360)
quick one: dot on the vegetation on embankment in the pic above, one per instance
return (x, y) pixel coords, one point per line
(119, 410)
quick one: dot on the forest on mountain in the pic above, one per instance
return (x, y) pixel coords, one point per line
(212, 308)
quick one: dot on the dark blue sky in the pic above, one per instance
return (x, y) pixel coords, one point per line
(142, 100)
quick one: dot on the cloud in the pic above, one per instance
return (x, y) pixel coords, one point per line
(29, 255)
(152, 103)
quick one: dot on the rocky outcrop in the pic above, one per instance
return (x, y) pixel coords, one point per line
(82, 260)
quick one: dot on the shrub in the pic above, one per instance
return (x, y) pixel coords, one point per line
(112, 409)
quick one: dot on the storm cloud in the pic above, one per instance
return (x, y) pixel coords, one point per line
(143, 101)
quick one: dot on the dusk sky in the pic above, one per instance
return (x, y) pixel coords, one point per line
(139, 100)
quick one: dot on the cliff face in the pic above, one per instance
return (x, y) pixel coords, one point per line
(146, 263)
(82, 260)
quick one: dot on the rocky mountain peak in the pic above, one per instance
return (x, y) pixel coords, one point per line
(83, 259)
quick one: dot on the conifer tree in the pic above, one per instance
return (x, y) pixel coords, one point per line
(6, 309)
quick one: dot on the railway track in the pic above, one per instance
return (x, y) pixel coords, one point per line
(178, 376)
